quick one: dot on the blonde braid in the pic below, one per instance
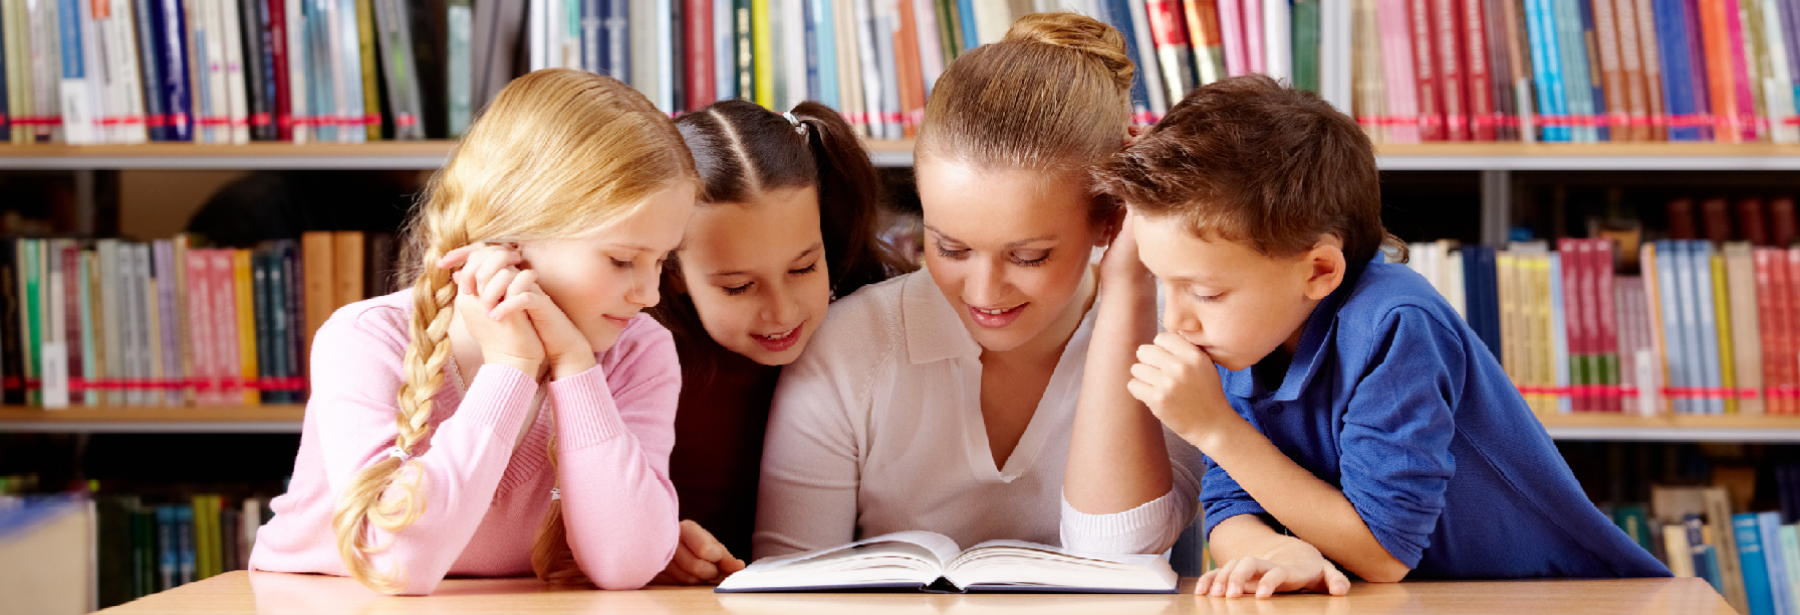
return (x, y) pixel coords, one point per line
(551, 557)
(368, 501)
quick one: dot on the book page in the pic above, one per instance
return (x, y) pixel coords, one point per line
(1024, 564)
(888, 560)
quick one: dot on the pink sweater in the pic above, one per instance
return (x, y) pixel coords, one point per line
(614, 426)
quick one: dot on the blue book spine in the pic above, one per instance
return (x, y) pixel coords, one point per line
(725, 50)
(1701, 255)
(1692, 339)
(618, 39)
(1780, 577)
(1118, 14)
(177, 93)
(825, 42)
(1545, 67)
(809, 20)
(1572, 49)
(68, 20)
(1752, 562)
(1669, 292)
(184, 540)
(150, 51)
(1671, 38)
(1595, 93)
(168, 558)
(971, 37)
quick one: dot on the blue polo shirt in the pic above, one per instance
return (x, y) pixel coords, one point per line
(1391, 398)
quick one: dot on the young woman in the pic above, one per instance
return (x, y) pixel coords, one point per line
(789, 221)
(451, 424)
(945, 400)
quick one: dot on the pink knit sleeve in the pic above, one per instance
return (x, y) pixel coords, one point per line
(615, 427)
(356, 376)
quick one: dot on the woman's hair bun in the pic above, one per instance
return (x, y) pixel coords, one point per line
(1085, 34)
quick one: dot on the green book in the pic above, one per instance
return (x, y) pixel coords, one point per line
(1305, 22)
(143, 552)
(89, 356)
(32, 262)
(949, 25)
(461, 67)
(115, 562)
(1635, 520)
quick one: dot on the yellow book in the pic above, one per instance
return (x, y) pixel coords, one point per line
(1722, 316)
(763, 58)
(246, 321)
(1509, 325)
(365, 36)
(1652, 290)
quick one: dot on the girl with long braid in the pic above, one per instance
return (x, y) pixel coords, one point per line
(451, 424)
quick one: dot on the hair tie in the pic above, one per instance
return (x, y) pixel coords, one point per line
(799, 128)
(555, 494)
(402, 455)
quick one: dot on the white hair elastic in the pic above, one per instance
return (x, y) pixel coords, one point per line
(555, 494)
(799, 127)
(402, 455)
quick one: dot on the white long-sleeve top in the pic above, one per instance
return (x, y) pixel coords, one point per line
(877, 428)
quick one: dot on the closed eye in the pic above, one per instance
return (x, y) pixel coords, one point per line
(805, 270)
(733, 291)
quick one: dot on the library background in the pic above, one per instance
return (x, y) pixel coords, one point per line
(1604, 188)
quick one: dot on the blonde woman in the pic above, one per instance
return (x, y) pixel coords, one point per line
(452, 423)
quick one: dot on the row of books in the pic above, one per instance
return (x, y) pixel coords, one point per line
(1751, 557)
(232, 71)
(143, 548)
(166, 323)
(1700, 329)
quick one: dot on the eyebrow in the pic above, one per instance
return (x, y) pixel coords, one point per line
(632, 246)
(1192, 279)
(1010, 244)
(803, 254)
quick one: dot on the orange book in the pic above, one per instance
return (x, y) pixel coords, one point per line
(246, 321)
(1720, 87)
(1612, 71)
(912, 75)
(316, 274)
(347, 268)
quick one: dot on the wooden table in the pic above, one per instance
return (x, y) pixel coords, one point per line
(271, 593)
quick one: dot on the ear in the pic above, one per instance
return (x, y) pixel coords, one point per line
(1324, 266)
(1110, 227)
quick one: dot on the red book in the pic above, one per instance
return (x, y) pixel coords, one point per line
(199, 315)
(1681, 219)
(912, 76)
(284, 105)
(1606, 314)
(1781, 221)
(1574, 327)
(1771, 326)
(1449, 55)
(701, 76)
(1169, 33)
(1715, 219)
(72, 283)
(1483, 108)
(1431, 114)
(1790, 325)
(1750, 221)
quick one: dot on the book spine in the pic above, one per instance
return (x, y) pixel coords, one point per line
(73, 284)
(1593, 77)
(236, 98)
(1205, 34)
(1725, 385)
(253, 16)
(1649, 49)
(263, 323)
(1612, 69)
(77, 100)
(227, 363)
(1431, 116)
(169, 316)
(1483, 124)
(90, 358)
(1748, 535)
(1787, 291)
(199, 326)
(292, 317)
(1171, 42)
(1743, 79)
(1447, 51)
(243, 307)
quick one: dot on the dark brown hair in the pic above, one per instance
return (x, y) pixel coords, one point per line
(742, 150)
(1248, 159)
(1053, 96)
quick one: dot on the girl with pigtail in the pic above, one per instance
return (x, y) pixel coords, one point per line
(511, 412)
(790, 221)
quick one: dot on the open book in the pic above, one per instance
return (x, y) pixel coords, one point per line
(927, 560)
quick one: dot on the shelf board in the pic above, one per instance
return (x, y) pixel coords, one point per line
(898, 153)
(1729, 428)
(284, 418)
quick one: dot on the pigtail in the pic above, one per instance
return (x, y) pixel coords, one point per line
(376, 497)
(551, 557)
(849, 202)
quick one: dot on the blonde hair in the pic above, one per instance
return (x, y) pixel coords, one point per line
(557, 154)
(1054, 95)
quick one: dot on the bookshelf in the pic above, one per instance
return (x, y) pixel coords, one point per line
(281, 418)
(890, 153)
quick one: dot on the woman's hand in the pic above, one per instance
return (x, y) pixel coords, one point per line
(1293, 566)
(699, 558)
(1121, 265)
(486, 276)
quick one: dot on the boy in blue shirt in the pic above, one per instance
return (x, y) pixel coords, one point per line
(1347, 413)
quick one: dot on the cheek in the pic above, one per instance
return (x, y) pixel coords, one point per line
(722, 316)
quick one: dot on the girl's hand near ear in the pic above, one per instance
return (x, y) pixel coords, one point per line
(699, 558)
(486, 277)
(566, 348)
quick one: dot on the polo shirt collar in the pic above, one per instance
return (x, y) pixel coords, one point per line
(933, 331)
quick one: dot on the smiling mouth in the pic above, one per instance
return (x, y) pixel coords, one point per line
(779, 341)
(994, 318)
(617, 320)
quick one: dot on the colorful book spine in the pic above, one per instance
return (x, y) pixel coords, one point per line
(1748, 533)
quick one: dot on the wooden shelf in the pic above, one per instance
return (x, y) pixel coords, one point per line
(898, 153)
(1729, 428)
(283, 418)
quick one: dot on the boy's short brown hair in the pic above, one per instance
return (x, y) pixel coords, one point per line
(1248, 159)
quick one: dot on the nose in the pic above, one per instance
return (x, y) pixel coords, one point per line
(1178, 315)
(986, 285)
(781, 306)
(644, 283)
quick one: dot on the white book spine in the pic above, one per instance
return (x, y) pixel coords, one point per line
(1277, 37)
(931, 49)
(794, 52)
(298, 57)
(350, 88)
(218, 96)
(644, 70)
(665, 56)
(55, 365)
(871, 66)
(237, 100)
(1779, 87)
(724, 40)
(887, 25)
(1148, 67)
(124, 20)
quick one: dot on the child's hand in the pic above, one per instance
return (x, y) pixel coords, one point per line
(699, 558)
(1292, 567)
(1178, 382)
(565, 348)
(487, 277)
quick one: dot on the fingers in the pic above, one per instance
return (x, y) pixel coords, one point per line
(455, 258)
(1220, 579)
(701, 542)
(1204, 585)
(518, 295)
(1248, 569)
(699, 569)
(1336, 583)
(1178, 348)
(1271, 582)
(732, 565)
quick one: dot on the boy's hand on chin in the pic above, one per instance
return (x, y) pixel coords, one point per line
(1293, 566)
(1179, 383)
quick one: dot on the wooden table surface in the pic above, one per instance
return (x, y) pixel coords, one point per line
(272, 593)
